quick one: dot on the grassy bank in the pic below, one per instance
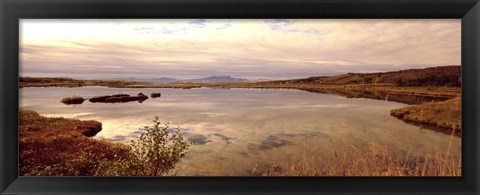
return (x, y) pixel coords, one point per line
(60, 146)
(64, 147)
(446, 116)
(68, 82)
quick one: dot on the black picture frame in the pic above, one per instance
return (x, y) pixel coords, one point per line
(13, 10)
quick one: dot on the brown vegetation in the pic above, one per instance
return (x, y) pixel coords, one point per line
(59, 146)
(68, 82)
(446, 115)
(73, 100)
(434, 76)
(49, 82)
(376, 160)
(62, 147)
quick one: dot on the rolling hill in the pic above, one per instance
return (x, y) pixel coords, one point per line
(217, 79)
(434, 76)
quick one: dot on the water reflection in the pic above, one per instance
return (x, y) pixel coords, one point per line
(382, 95)
(233, 130)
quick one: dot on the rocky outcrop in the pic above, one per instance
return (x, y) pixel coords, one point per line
(155, 95)
(73, 100)
(99, 98)
(119, 98)
(141, 97)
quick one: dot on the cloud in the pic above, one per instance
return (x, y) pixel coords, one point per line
(143, 29)
(160, 31)
(146, 30)
(227, 25)
(241, 48)
(315, 32)
(199, 23)
(277, 24)
(292, 30)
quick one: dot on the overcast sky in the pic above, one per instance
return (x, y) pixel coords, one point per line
(252, 49)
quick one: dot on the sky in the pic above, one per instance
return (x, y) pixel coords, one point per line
(250, 49)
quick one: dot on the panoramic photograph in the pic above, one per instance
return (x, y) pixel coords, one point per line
(240, 97)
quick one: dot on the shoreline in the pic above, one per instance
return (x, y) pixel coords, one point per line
(69, 143)
(388, 92)
(444, 116)
(412, 96)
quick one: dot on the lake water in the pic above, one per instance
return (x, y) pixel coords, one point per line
(234, 130)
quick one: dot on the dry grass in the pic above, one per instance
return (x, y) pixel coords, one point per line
(433, 76)
(68, 82)
(63, 147)
(49, 82)
(376, 160)
(60, 147)
(447, 114)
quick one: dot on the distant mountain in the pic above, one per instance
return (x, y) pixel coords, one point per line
(217, 79)
(164, 80)
(434, 76)
(161, 80)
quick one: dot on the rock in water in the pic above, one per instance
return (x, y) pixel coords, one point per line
(99, 98)
(119, 98)
(120, 95)
(73, 100)
(155, 95)
(142, 96)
